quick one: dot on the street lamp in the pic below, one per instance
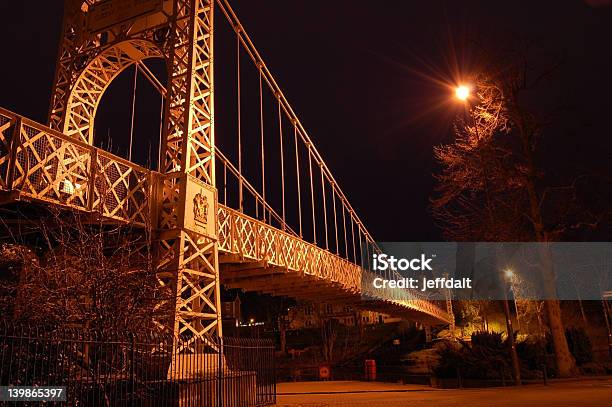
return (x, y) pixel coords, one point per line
(462, 92)
(508, 274)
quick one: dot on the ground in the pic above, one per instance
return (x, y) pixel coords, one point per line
(591, 392)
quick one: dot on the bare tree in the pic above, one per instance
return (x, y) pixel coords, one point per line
(492, 187)
(279, 308)
(329, 333)
(86, 274)
(478, 174)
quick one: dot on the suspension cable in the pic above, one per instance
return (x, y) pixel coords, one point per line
(314, 229)
(360, 247)
(133, 111)
(367, 263)
(353, 233)
(344, 227)
(146, 72)
(297, 172)
(335, 219)
(282, 160)
(324, 206)
(256, 58)
(263, 158)
(265, 75)
(225, 184)
(240, 197)
(250, 188)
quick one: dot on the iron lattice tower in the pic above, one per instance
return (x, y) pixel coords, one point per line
(100, 39)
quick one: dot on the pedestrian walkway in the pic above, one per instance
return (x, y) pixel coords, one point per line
(585, 392)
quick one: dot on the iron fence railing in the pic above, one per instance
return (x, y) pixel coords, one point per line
(123, 369)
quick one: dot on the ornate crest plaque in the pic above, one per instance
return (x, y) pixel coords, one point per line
(200, 208)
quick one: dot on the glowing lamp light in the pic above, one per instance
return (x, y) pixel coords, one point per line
(462, 92)
(509, 274)
(70, 188)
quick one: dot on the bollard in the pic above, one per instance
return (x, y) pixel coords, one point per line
(370, 369)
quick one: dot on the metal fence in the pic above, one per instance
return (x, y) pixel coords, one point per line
(124, 369)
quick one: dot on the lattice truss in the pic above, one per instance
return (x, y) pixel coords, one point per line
(188, 149)
(258, 241)
(86, 66)
(92, 83)
(6, 131)
(255, 240)
(195, 286)
(52, 167)
(190, 94)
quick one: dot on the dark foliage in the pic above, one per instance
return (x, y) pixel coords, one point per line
(532, 353)
(579, 344)
(486, 357)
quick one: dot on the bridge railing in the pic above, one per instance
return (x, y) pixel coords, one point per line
(48, 166)
(256, 240)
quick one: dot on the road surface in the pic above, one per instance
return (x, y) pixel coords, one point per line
(591, 392)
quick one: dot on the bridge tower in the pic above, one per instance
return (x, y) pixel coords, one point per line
(100, 39)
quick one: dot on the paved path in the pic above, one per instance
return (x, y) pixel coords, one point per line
(596, 393)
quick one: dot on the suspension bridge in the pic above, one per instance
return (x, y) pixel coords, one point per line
(283, 226)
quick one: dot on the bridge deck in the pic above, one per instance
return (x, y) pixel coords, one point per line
(43, 166)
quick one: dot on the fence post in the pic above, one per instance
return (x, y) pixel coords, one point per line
(273, 373)
(132, 374)
(220, 373)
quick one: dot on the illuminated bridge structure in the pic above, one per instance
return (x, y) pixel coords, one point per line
(315, 252)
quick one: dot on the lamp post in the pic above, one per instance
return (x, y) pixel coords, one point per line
(511, 277)
(463, 93)
(515, 362)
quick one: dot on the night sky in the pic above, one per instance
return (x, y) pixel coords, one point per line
(365, 79)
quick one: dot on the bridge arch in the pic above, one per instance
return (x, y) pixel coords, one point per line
(95, 78)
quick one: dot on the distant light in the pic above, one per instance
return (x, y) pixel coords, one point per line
(251, 320)
(250, 324)
(70, 188)
(462, 92)
(509, 273)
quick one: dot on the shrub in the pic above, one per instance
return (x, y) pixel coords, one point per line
(579, 344)
(486, 357)
(451, 358)
(532, 352)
